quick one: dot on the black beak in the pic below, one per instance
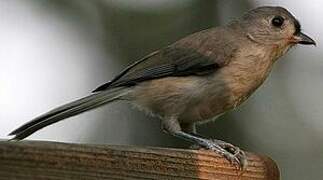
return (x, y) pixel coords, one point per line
(304, 39)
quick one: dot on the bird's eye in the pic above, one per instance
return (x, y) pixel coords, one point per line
(278, 21)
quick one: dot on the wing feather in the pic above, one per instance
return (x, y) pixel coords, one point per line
(198, 54)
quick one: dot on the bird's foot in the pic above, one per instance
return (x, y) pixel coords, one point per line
(232, 153)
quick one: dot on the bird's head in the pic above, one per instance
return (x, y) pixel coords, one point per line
(274, 26)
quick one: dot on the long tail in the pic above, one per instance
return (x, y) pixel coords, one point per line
(71, 109)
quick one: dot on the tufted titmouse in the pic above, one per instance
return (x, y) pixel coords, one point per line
(197, 78)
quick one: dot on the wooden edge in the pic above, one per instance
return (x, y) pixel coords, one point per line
(53, 160)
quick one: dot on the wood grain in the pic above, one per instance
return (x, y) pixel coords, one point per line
(52, 160)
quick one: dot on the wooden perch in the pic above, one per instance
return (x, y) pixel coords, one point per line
(50, 160)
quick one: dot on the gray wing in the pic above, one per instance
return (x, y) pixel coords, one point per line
(198, 54)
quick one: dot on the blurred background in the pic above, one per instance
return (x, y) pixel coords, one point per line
(52, 52)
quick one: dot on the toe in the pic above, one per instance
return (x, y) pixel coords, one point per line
(232, 153)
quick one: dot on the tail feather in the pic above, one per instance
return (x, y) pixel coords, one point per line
(71, 109)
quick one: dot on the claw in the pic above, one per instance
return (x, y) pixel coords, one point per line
(232, 153)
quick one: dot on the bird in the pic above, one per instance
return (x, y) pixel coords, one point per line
(195, 79)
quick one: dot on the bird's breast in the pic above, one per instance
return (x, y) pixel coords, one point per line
(246, 73)
(230, 86)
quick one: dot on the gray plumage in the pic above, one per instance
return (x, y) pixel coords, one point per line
(73, 108)
(196, 78)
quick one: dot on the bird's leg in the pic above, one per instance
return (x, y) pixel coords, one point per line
(191, 129)
(230, 152)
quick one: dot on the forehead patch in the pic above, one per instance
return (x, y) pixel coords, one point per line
(297, 26)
